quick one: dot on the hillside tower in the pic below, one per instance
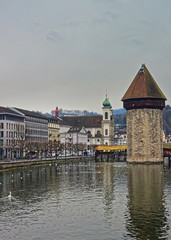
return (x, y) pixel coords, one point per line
(107, 123)
(144, 102)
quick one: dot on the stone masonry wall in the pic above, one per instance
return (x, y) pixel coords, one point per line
(144, 135)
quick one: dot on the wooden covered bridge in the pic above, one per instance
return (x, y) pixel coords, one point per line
(109, 153)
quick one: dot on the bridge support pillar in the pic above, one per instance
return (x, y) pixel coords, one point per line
(169, 161)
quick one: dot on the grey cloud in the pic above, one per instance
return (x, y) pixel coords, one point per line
(106, 18)
(54, 37)
(69, 24)
(137, 42)
(105, 1)
(133, 39)
(100, 21)
(111, 15)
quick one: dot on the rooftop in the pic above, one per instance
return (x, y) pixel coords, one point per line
(106, 103)
(30, 113)
(6, 110)
(143, 86)
(75, 129)
(86, 121)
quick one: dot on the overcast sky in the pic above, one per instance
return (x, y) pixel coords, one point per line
(66, 53)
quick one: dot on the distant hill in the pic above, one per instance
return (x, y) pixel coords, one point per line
(119, 117)
(63, 113)
(119, 111)
(167, 119)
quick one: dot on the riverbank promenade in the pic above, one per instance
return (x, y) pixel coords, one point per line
(8, 163)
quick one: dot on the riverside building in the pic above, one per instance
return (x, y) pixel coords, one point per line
(36, 125)
(53, 129)
(100, 128)
(75, 135)
(12, 130)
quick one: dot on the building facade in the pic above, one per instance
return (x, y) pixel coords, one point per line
(92, 124)
(12, 131)
(36, 125)
(53, 129)
(144, 102)
(100, 128)
(120, 138)
(75, 135)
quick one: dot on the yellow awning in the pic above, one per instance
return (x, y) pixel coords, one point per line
(166, 145)
(111, 147)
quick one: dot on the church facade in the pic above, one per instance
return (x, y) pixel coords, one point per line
(100, 128)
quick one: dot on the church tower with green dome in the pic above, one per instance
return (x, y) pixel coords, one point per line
(107, 123)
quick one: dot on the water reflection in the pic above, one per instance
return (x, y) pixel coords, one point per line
(90, 200)
(107, 186)
(146, 218)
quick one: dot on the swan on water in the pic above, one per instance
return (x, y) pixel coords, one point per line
(9, 196)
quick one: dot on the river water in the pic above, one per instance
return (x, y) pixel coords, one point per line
(97, 201)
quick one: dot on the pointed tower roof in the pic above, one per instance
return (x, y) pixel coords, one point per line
(143, 86)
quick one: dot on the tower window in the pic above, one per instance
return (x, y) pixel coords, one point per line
(106, 132)
(106, 115)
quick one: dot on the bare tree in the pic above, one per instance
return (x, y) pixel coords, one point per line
(50, 147)
(30, 147)
(45, 148)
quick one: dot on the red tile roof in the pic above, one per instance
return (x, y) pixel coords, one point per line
(86, 121)
(143, 86)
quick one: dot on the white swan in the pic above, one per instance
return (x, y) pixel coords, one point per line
(10, 196)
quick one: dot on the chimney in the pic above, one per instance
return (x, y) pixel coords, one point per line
(56, 112)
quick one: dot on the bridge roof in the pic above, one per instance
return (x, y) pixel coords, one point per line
(123, 147)
(167, 146)
(111, 147)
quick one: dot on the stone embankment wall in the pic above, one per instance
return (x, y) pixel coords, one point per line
(144, 135)
(23, 163)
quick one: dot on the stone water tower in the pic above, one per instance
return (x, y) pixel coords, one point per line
(144, 102)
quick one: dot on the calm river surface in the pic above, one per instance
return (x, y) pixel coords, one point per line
(97, 201)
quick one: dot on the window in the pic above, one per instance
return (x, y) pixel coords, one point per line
(1, 134)
(98, 132)
(1, 125)
(106, 143)
(106, 115)
(1, 142)
(106, 132)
